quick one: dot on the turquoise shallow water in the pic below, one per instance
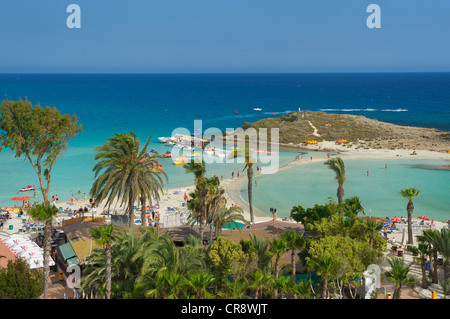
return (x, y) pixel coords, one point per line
(313, 183)
(74, 171)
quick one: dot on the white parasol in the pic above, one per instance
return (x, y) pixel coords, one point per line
(38, 261)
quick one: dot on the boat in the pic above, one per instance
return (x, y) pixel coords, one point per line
(262, 151)
(28, 188)
(154, 151)
(157, 167)
(257, 109)
(167, 154)
(179, 161)
(163, 139)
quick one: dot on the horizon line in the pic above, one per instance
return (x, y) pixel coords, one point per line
(214, 73)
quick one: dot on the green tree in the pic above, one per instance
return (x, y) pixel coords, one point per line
(40, 134)
(125, 173)
(104, 236)
(227, 259)
(337, 165)
(399, 275)
(45, 213)
(311, 214)
(410, 193)
(18, 281)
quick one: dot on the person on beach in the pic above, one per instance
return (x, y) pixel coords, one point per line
(232, 174)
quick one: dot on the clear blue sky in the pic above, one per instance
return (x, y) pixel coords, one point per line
(158, 36)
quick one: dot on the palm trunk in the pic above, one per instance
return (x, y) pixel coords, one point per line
(397, 292)
(323, 294)
(131, 208)
(340, 196)
(434, 277)
(108, 271)
(276, 274)
(250, 191)
(293, 265)
(143, 216)
(47, 247)
(410, 209)
(424, 274)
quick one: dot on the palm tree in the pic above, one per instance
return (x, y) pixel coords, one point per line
(283, 285)
(259, 279)
(104, 237)
(293, 242)
(302, 289)
(198, 169)
(337, 165)
(324, 267)
(441, 242)
(278, 247)
(353, 206)
(372, 229)
(199, 282)
(410, 193)
(228, 216)
(249, 161)
(399, 275)
(428, 236)
(45, 213)
(261, 246)
(127, 173)
(423, 251)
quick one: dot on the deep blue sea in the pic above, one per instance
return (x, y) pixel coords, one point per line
(156, 104)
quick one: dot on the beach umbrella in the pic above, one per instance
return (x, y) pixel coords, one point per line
(16, 198)
(424, 217)
(395, 219)
(38, 261)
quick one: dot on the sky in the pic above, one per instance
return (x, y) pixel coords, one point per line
(224, 36)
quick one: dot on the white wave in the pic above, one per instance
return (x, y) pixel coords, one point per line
(363, 110)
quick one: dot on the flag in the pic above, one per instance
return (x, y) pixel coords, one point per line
(74, 294)
(92, 295)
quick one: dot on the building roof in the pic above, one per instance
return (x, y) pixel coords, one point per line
(8, 254)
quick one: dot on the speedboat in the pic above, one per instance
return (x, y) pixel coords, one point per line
(257, 109)
(167, 154)
(28, 188)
